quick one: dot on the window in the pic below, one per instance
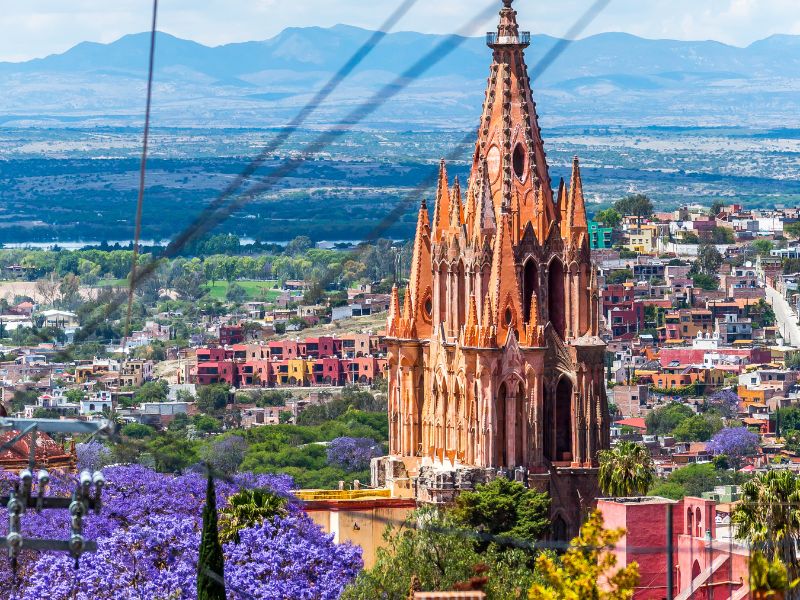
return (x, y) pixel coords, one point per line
(518, 161)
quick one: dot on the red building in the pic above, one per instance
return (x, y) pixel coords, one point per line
(694, 356)
(705, 566)
(231, 334)
(323, 360)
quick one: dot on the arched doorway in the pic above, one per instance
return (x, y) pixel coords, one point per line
(559, 529)
(556, 301)
(563, 418)
(530, 284)
(500, 438)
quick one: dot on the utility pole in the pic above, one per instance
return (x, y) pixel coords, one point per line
(22, 498)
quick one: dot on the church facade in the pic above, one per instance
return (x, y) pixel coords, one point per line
(495, 364)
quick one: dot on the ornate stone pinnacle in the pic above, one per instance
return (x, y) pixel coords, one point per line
(507, 3)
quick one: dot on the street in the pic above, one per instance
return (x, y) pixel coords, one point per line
(785, 318)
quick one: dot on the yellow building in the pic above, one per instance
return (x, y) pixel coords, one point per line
(357, 516)
(642, 239)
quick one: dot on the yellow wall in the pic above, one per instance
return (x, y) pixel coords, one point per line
(363, 527)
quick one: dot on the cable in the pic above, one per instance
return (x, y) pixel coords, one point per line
(142, 169)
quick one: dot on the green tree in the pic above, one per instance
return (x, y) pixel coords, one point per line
(206, 423)
(619, 276)
(768, 516)
(213, 398)
(608, 217)
(210, 563)
(637, 205)
(709, 259)
(762, 247)
(74, 395)
(587, 570)
(792, 229)
(698, 478)
(704, 281)
(151, 391)
(667, 489)
(172, 452)
(722, 235)
(698, 428)
(788, 418)
(625, 470)
(137, 430)
(665, 419)
(236, 293)
(299, 245)
(716, 208)
(430, 550)
(504, 508)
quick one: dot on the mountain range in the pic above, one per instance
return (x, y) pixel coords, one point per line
(609, 78)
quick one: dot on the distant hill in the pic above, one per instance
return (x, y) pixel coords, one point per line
(606, 78)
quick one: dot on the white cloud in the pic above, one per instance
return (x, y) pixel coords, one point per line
(40, 27)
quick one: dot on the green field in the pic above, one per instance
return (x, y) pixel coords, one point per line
(256, 290)
(113, 283)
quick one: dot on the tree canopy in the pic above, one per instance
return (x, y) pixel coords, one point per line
(504, 508)
(626, 469)
(637, 205)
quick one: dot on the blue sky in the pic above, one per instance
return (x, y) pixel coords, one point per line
(36, 28)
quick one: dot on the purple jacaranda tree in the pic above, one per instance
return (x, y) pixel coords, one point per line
(725, 401)
(225, 455)
(352, 454)
(733, 442)
(258, 563)
(92, 455)
(148, 536)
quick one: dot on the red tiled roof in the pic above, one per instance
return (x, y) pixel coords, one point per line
(637, 422)
(48, 453)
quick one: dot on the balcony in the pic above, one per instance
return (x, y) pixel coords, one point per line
(523, 39)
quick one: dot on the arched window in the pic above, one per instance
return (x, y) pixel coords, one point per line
(698, 522)
(530, 284)
(442, 293)
(555, 296)
(462, 294)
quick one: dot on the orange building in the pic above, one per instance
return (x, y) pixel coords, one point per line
(495, 363)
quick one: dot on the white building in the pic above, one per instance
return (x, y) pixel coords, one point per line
(98, 402)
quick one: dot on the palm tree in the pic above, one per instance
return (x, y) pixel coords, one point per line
(626, 470)
(248, 508)
(768, 516)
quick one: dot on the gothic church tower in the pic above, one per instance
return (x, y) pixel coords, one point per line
(495, 364)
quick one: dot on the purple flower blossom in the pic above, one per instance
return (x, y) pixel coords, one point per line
(148, 536)
(290, 558)
(92, 455)
(733, 442)
(227, 454)
(726, 401)
(352, 454)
